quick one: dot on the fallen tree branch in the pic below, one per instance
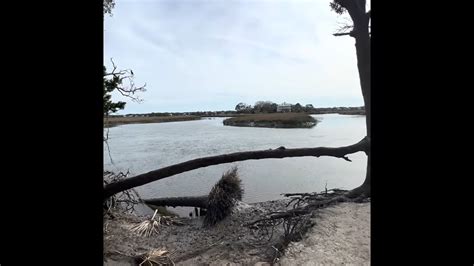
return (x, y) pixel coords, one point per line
(139, 180)
(335, 190)
(313, 201)
(198, 201)
(293, 223)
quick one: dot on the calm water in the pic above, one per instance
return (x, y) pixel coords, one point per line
(144, 147)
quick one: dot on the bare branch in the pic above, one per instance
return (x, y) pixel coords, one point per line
(346, 158)
(345, 27)
(313, 201)
(130, 92)
(127, 74)
(126, 200)
(108, 147)
(345, 33)
(106, 138)
(113, 64)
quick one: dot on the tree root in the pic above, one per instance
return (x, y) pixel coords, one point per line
(124, 201)
(296, 221)
(306, 203)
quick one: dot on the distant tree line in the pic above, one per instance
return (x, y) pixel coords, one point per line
(271, 107)
(258, 108)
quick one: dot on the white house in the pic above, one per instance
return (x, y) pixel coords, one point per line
(284, 107)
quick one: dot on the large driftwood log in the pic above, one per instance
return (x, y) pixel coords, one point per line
(198, 201)
(139, 180)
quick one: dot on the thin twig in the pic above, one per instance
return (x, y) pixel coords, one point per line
(106, 140)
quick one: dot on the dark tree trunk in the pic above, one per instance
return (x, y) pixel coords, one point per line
(361, 18)
(199, 201)
(363, 64)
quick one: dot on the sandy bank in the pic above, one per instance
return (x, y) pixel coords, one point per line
(341, 235)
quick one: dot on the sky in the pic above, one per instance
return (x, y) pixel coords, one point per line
(209, 55)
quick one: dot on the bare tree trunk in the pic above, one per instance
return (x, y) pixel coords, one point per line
(363, 189)
(361, 18)
(363, 64)
(340, 152)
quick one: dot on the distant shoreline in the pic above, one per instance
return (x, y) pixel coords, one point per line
(229, 113)
(349, 112)
(124, 120)
(115, 121)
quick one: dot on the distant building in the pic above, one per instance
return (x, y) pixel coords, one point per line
(309, 106)
(284, 107)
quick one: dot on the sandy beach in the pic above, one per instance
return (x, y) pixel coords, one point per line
(340, 235)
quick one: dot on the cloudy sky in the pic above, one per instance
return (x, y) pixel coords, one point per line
(198, 55)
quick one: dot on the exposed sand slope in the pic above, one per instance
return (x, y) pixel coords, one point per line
(341, 236)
